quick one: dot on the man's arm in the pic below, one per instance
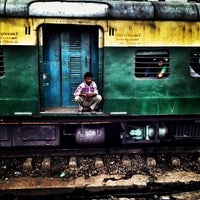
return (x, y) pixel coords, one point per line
(79, 90)
(91, 95)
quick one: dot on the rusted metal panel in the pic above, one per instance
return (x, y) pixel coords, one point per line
(198, 9)
(111, 9)
(2, 7)
(86, 135)
(175, 10)
(132, 10)
(17, 31)
(20, 31)
(15, 8)
(161, 33)
(30, 135)
(5, 136)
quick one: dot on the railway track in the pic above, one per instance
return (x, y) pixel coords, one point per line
(101, 173)
(84, 151)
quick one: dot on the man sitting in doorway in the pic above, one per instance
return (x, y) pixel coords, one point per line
(86, 94)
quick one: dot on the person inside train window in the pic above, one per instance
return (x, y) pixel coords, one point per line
(194, 68)
(86, 95)
(158, 71)
(162, 68)
(193, 73)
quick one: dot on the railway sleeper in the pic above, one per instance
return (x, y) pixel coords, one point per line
(148, 181)
(130, 174)
(111, 163)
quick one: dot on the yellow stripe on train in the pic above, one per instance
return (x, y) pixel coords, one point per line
(18, 31)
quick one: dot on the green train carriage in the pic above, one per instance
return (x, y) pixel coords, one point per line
(47, 46)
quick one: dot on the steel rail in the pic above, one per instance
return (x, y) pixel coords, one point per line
(85, 151)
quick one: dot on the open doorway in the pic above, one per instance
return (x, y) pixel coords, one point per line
(68, 53)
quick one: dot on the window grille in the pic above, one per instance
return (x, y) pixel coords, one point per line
(194, 68)
(146, 64)
(1, 63)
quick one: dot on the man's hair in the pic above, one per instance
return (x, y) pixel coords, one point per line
(161, 59)
(88, 74)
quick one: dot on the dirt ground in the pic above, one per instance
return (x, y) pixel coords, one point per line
(105, 173)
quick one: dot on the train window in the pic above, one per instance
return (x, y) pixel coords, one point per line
(194, 68)
(152, 64)
(1, 63)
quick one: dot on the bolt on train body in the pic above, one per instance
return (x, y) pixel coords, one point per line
(47, 46)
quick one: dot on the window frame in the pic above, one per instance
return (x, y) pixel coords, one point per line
(194, 66)
(146, 63)
(2, 68)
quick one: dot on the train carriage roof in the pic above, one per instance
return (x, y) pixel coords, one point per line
(117, 9)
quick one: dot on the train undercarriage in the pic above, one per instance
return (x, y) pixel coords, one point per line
(99, 130)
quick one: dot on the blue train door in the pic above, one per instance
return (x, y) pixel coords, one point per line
(68, 52)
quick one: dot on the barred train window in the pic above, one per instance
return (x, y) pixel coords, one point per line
(194, 67)
(1, 63)
(152, 64)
